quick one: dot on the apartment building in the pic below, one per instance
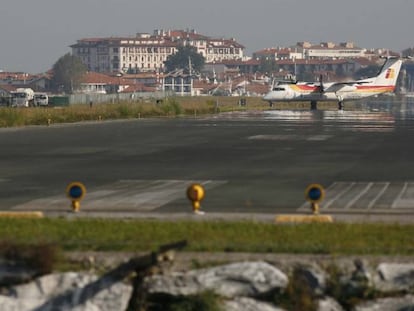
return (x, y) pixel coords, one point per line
(146, 52)
(330, 50)
(306, 50)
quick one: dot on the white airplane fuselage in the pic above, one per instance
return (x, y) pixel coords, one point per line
(313, 92)
(303, 91)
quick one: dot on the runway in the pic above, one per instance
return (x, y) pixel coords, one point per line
(251, 163)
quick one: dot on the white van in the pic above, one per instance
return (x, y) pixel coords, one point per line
(41, 99)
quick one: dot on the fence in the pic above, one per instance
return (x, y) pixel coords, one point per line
(115, 98)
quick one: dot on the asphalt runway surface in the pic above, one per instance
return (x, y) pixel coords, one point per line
(254, 164)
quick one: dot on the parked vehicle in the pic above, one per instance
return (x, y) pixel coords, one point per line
(41, 99)
(23, 97)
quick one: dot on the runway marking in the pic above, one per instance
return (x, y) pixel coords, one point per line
(364, 196)
(371, 204)
(278, 137)
(318, 137)
(399, 195)
(338, 195)
(358, 196)
(127, 195)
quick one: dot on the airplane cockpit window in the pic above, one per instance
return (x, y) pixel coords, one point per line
(279, 89)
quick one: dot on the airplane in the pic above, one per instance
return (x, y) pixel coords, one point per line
(384, 82)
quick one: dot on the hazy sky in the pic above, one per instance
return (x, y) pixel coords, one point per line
(35, 33)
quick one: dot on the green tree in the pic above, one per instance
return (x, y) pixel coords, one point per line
(182, 59)
(268, 65)
(68, 72)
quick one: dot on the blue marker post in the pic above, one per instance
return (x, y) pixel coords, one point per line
(75, 191)
(315, 193)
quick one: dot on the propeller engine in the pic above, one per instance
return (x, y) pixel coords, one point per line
(321, 88)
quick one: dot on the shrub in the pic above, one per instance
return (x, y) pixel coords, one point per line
(207, 301)
(41, 257)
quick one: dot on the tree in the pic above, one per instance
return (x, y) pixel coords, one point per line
(182, 59)
(67, 73)
(268, 66)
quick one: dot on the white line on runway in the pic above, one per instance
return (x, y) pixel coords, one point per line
(366, 195)
(282, 137)
(371, 204)
(358, 196)
(339, 195)
(399, 196)
(135, 195)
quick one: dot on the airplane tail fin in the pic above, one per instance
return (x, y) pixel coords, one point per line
(389, 72)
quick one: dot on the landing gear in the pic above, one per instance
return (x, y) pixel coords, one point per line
(314, 105)
(340, 105)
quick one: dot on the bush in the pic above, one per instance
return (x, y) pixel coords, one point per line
(207, 301)
(41, 257)
(298, 295)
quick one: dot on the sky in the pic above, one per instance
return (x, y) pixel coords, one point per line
(34, 34)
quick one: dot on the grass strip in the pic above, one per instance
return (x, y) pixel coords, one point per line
(169, 107)
(216, 236)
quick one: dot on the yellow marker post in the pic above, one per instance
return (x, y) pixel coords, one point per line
(195, 193)
(75, 191)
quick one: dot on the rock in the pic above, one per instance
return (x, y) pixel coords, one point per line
(394, 276)
(237, 279)
(329, 304)
(39, 295)
(405, 303)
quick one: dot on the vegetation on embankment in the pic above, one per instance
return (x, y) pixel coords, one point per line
(216, 236)
(168, 107)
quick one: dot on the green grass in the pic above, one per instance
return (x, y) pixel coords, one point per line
(217, 236)
(169, 107)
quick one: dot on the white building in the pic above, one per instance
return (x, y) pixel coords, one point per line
(330, 50)
(306, 50)
(146, 52)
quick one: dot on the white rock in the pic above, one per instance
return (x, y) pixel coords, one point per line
(237, 279)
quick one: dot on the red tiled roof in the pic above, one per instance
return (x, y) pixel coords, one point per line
(95, 77)
(312, 61)
(16, 76)
(270, 51)
(138, 87)
(8, 87)
(186, 34)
